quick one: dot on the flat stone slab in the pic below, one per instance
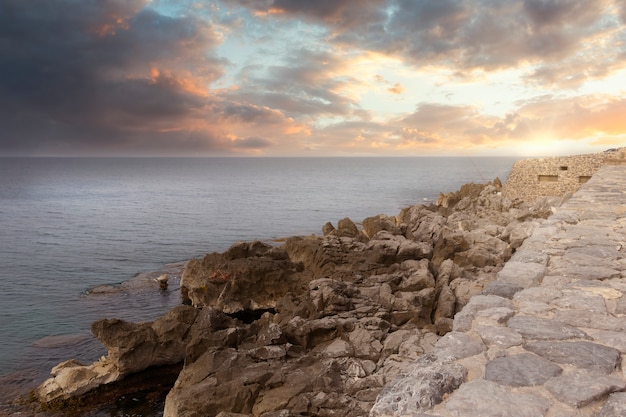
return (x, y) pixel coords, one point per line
(614, 407)
(463, 319)
(502, 289)
(581, 300)
(538, 328)
(591, 320)
(502, 337)
(521, 370)
(522, 274)
(480, 398)
(581, 387)
(596, 252)
(586, 355)
(456, 345)
(538, 294)
(586, 272)
(615, 340)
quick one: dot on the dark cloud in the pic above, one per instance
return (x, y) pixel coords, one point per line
(345, 13)
(98, 74)
(547, 12)
(484, 34)
(461, 34)
(308, 85)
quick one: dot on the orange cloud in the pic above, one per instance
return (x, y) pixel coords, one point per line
(396, 89)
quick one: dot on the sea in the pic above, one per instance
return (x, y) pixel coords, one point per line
(75, 231)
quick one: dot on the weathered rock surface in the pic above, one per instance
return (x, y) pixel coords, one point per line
(320, 324)
(132, 348)
(482, 398)
(424, 384)
(583, 355)
(521, 370)
(547, 337)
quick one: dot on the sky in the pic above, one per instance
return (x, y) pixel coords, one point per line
(312, 78)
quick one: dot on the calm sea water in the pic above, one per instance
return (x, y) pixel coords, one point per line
(71, 224)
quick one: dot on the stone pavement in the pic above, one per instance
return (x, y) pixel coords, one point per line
(548, 337)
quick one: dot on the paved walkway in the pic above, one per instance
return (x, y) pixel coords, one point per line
(548, 338)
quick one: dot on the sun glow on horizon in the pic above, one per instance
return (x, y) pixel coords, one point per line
(548, 147)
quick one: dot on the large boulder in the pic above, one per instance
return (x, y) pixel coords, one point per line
(249, 276)
(131, 348)
(382, 222)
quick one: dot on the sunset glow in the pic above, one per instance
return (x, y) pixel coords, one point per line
(295, 78)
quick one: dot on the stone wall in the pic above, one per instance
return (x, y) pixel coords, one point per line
(531, 179)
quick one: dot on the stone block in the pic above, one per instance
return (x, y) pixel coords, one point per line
(522, 274)
(521, 370)
(538, 328)
(585, 355)
(456, 345)
(480, 398)
(614, 407)
(580, 388)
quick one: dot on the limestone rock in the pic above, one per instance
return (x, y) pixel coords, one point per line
(131, 348)
(463, 320)
(521, 370)
(538, 328)
(375, 224)
(522, 274)
(318, 325)
(482, 398)
(328, 228)
(422, 386)
(502, 289)
(246, 277)
(457, 345)
(347, 228)
(579, 388)
(614, 407)
(585, 355)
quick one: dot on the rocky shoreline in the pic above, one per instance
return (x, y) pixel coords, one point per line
(317, 325)
(548, 337)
